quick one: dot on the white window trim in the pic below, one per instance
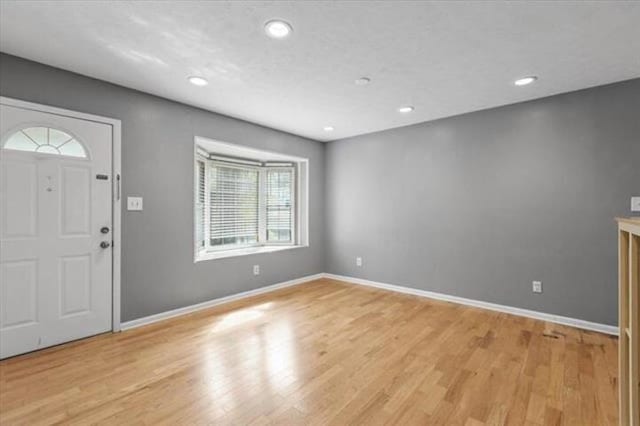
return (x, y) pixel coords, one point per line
(211, 151)
(244, 251)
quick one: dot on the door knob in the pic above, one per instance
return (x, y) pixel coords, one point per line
(104, 229)
(104, 244)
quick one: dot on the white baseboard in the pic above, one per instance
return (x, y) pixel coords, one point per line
(558, 319)
(573, 322)
(208, 304)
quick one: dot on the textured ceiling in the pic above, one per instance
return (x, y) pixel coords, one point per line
(445, 58)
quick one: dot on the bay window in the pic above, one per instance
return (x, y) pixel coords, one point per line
(246, 205)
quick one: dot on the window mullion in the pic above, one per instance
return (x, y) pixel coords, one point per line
(294, 205)
(207, 204)
(262, 206)
(196, 189)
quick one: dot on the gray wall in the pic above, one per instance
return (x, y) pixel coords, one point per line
(477, 205)
(158, 272)
(481, 204)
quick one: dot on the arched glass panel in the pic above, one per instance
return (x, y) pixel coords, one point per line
(45, 140)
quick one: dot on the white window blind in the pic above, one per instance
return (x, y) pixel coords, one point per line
(243, 203)
(234, 206)
(279, 204)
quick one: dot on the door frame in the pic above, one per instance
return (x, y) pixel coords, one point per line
(116, 187)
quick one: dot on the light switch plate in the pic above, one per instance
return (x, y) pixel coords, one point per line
(134, 203)
(635, 204)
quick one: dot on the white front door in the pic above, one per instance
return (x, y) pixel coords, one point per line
(55, 229)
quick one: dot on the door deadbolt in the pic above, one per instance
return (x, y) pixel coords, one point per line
(104, 229)
(104, 244)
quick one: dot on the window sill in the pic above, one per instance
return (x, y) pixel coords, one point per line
(242, 252)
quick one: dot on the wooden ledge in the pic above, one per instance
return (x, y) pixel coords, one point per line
(630, 220)
(629, 224)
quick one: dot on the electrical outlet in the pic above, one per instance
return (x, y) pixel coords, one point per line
(537, 286)
(635, 204)
(256, 269)
(358, 261)
(134, 203)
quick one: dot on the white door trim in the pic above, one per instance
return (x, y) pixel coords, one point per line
(116, 198)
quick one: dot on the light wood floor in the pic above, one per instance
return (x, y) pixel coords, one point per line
(322, 353)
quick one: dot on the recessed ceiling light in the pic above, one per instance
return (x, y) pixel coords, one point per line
(277, 29)
(525, 80)
(405, 109)
(328, 128)
(363, 81)
(198, 81)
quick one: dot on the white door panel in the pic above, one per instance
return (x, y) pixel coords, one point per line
(56, 280)
(20, 199)
(75, 200)
(19, 293)
(75, 285)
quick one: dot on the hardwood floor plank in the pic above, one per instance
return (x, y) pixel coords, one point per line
(322, 353)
